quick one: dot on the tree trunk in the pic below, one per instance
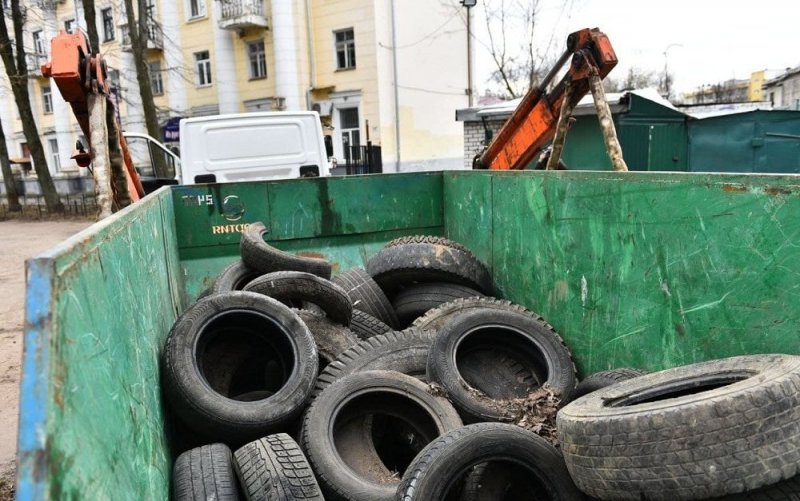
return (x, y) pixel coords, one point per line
(18, 76)
(139, 35)
(91, 25)
(8, 177)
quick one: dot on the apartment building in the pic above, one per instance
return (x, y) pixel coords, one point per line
(390, 72)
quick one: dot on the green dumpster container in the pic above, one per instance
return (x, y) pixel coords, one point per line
(649, 270)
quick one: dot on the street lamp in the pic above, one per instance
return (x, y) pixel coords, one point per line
(469, 4)
(666, 72)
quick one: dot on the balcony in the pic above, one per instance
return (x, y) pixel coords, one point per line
(241, 14)
(34, 63)
(154, 35)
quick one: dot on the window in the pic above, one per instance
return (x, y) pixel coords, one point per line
(345, 49)
(69, 26)
(55, 159)
(196, 8)
(38, 43)
(258, 60)
(108, 24)
(351, 136)
(47, 100)
(156, 84)
(202, 64)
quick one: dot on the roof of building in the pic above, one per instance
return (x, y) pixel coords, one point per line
(790, 72)
(617, 101)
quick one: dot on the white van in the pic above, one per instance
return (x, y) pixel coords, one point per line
(252, 147)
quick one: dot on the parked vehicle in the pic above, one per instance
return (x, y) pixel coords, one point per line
(253, 147)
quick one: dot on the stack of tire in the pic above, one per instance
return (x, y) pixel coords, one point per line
(405, 380)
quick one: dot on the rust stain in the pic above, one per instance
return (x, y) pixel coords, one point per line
(776, 190)
(312, 255)
(680, 329)
(733, 188)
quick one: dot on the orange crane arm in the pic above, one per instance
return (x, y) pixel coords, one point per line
(77, 73)
(533, 123)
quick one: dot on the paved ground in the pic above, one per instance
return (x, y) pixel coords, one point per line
(20, 240)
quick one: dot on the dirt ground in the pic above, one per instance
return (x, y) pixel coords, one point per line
(20, 240)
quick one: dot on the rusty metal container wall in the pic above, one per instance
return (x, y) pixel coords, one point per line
(647, 270)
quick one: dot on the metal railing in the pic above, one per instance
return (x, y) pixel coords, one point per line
(155, 37)
(363, 159)
(35, 62)
(232, 9)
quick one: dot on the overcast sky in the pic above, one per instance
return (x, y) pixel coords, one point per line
(714, 40)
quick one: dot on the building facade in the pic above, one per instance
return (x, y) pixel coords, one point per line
(784, 91)
(385, 71)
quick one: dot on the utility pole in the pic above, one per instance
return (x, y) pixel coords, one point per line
(469, 4)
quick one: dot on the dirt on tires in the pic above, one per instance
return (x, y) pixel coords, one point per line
(21, 239)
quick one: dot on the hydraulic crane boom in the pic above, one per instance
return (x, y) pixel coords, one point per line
(533, 123)
(81, 77)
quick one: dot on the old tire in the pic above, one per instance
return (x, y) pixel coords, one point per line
(294, 287)
(274, 468)
(427, 239)
(519, 338)
(602, 379)
(366, 296)
(263, 349)
(332, 339)
(259, 255)
(401, 265)
(234, 277)
(205, 473)
(437, 317)
(692, 432)
(366, 425)
(365, 326)
(405, 351)
(440, 466)
(413, 301)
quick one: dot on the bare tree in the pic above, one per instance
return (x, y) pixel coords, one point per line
(17, 71)
(140, 30)
(519, 63)
(91, 24)
(8, 177)
(635, 78)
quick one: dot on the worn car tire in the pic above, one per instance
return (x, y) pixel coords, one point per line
(274, 468)
(366, 296)
(786, 490)
(401, 265)
(602, 379)
(405, 351)
(365, 326)
(518, 337)
(437, 317)
(234, 277)
(692, 432)
(447, 459)
(272, 353)
(295, 287)
(352, 447)
(413, 301)
(332, 339)
(205, 473)
(427, 239)
(261, 256)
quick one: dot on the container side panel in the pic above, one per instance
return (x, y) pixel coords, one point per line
(351, 205)
(33, 479)
(112, 304)
(468, 212)
(652, 270)
(345, 220)
(215, 214)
